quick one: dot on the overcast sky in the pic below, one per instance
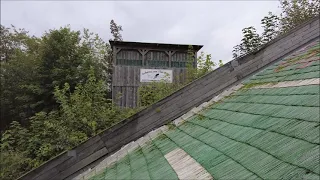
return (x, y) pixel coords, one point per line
(215, 24)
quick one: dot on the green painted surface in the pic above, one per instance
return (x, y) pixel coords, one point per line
(253, 134)
(303, 64)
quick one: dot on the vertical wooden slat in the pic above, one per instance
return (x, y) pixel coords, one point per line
(121, 95)
(134, 99)
(130, 82)
(127, 85)
(135, 83)
(126, 75)
(114, 57)
(118, 81)
(131, 97)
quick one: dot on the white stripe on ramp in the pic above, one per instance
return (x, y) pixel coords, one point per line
(185, 166)
(296, 83)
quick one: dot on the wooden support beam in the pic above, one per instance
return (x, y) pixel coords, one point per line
(153, 49)
(143, 52)
(170, 53)
(114, 56)
(118, 50)
(195, 59)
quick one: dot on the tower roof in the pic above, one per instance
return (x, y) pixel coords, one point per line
(154, 45)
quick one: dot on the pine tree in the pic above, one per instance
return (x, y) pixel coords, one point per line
(250, 41)
(270, 26)
(295, 12)
(115, 31)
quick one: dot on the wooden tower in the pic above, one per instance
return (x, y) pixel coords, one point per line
(135, 63)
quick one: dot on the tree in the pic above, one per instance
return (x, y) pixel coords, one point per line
(37, 65)
(270, 26)
(191, 69)
(12, 40)
(236, 52)
(66, 58)
(155, 91)
(80, 115)
(250, 41)
(220, 63)
(115, 31)
(295, 12)
(86, 109)
(18, 74)
(204, 65)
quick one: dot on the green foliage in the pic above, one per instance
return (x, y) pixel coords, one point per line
(13, 40)
(87, 107)
(81, 114)
(66, 58)
(19, 76)
(251, 85)
(15, 137)
(270, 24)
(32, 67)
(13, 165)
(155, 91)
(191, 70)
(53, 95)
(171, 126)
(152, 92)
(204, 65)
(220, 63)
(250, 41)
(116, 31)
(293, 13)
(201, 116)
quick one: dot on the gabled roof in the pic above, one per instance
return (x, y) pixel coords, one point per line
(255, 117)
(267, 128)
(154, 45)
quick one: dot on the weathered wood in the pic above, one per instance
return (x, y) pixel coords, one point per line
(80, 164)
(154, 49)
(170, 53)
(173, 106)
(118, 50)
(150, 58)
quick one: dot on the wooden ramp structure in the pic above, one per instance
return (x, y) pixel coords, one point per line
(211, 87)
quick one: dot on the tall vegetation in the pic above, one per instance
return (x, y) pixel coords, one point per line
(53, 94)
(116, 31)
(293, 13)
(155, 91)
(32, 67)
(82, 113)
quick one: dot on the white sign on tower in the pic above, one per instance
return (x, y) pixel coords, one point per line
(155, 75)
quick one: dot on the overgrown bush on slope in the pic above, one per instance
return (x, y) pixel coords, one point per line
(81, 114)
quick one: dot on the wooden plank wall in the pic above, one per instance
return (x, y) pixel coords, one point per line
(126, 78)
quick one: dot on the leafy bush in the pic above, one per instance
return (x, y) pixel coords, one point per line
(150, 93)
(154, 91)
(81, 114)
